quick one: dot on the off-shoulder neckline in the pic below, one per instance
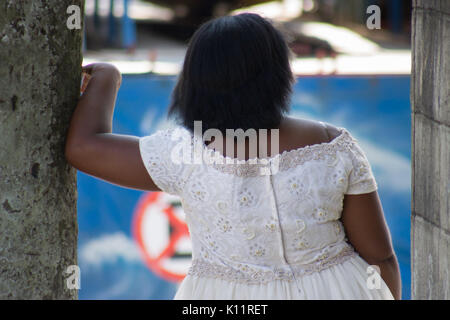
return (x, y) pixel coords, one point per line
(296, 151)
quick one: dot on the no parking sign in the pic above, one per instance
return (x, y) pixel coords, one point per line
(161, 232)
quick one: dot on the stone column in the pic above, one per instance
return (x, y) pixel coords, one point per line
(40, 65)
(430, 93)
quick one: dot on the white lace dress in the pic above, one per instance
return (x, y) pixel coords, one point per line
(266, 230)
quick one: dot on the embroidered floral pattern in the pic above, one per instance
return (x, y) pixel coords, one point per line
(337, 228)
(200, 222)
(272, 225)
(361, 178)
(204, 253)
(257, 251)
(224, 225)
(222, 206)
(249, 233)
(338, 178)
(211, 242)
(234, 257)
(198, 191)
(157, 160)
(321, 215)
(268, 220)
(246, 198)
(296, 186)
(300, 243)
(301, 226)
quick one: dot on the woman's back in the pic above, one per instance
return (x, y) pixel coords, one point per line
(263, 223)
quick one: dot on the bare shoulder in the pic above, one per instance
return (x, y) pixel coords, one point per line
(332, 131)
(311, 131)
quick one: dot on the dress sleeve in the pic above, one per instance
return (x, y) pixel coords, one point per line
(361, 179)
(160, 155)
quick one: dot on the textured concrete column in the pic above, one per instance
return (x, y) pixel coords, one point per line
(430, 93)
(40, 65)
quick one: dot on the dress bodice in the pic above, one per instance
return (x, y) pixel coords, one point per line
(255, 222)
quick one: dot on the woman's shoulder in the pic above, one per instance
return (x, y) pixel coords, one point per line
(306, 131)
(332, 131)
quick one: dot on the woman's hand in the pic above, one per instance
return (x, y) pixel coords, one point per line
(95, 108)
(85, 78)
(91, 146)
(101, 71)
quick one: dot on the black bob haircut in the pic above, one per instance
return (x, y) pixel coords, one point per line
(236, 74)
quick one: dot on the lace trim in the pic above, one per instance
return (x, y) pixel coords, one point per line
(284, 161)
(245, 274)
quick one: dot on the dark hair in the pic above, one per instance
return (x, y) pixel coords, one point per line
(236, 74)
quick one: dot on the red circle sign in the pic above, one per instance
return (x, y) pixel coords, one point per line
(162, 235)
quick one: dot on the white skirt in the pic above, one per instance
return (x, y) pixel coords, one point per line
(345, 281)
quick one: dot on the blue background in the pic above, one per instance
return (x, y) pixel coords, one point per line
(375, 109)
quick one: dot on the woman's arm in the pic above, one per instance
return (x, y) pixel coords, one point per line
(366, 230)
(91, 146)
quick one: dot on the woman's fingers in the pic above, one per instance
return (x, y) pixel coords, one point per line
(85, 80)
(103, 70)
(87, 69)
(93, 67)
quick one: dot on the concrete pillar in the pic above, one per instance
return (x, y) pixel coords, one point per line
(40, 65)
(430, 101)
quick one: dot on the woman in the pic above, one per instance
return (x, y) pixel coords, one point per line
(306, 223)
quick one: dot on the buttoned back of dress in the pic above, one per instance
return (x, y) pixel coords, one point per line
(255, 221)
